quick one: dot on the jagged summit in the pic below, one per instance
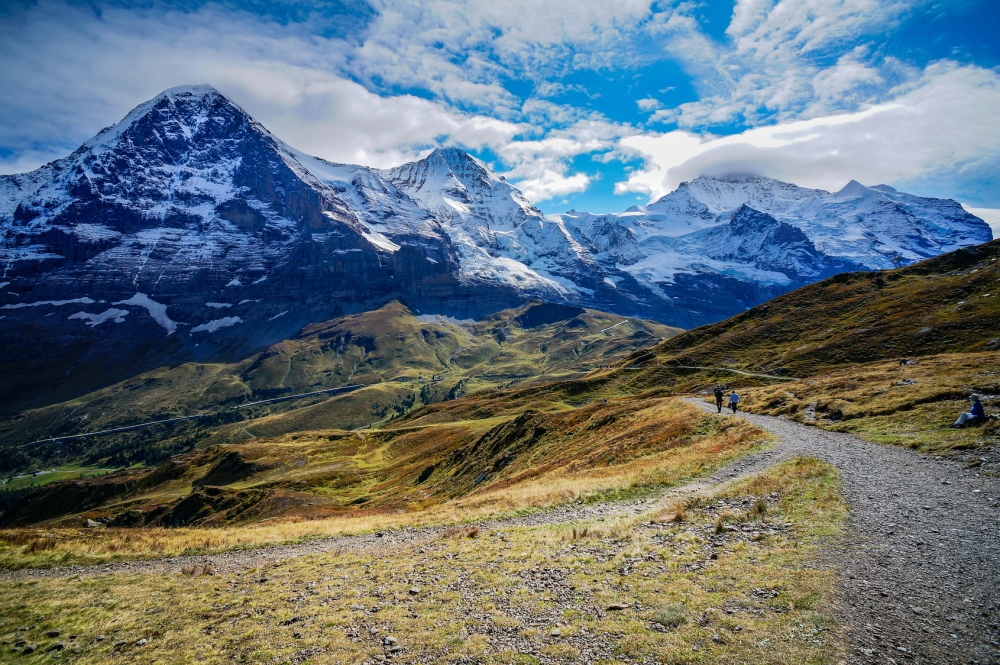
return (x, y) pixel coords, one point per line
(183, 108)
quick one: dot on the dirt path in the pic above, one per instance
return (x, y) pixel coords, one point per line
(921, 563)
(919, 567)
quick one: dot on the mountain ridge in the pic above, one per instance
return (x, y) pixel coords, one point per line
(188, 231)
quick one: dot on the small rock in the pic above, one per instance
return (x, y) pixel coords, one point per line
(101, 638)
(30, 648)
(52, 633)
(616, 607)
(396, 649)
(58, 646)
(296, 634)
(390, 640)
(555, 632)
(141, 643)
(414, 591)
(90, 524)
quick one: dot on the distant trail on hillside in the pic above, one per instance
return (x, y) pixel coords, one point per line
(920, 561)
(238, 407)
(736, 371)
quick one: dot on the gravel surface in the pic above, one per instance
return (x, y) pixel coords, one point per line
(919, 565)
(921, 561)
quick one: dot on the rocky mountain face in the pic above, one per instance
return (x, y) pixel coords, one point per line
(189, 232)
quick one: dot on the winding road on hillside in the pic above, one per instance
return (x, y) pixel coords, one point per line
(919, 566)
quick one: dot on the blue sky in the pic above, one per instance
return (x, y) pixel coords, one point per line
(589, 104)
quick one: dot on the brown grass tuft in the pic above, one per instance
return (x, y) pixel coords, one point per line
(457, 532)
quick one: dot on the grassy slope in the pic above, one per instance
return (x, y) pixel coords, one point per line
(843, 339)
(948, 304)
(911, 405)
(763, 600)
(406, 359)
(410, 474)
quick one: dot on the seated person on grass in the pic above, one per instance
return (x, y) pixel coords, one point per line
(974, 416)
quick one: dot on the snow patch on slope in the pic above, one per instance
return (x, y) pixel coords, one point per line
(116, 315)
(217, 324)
(156, 310)
(54, 303)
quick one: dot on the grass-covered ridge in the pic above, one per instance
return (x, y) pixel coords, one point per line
(685, 590)
(948, 304)
(405, 360)
(338, 482)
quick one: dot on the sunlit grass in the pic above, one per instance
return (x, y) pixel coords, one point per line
(762, 600)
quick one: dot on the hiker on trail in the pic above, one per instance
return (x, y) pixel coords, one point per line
(718, 397)
(973, 416)
(734, 399)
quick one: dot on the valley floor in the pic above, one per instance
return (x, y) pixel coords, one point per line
(757, 568)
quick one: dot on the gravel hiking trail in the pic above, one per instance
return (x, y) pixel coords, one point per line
(919, 566)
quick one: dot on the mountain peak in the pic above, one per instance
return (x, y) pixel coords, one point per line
(461, 162)
(854, 190)
(187, 106)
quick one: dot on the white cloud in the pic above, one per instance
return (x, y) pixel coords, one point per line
(96, 69)
(776, 65)
(539, 166)
(460, 49)
(944, 123)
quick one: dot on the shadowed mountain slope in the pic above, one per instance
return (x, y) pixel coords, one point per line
(403, 358)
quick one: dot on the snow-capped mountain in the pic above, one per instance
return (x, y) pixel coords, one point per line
(756, 237)
(187, 230)
(496, 233)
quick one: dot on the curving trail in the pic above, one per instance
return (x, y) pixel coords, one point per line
(920, 564)
(921, 561)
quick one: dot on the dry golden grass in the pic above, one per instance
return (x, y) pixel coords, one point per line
(648, 444)
(908, 405)
(763, 599)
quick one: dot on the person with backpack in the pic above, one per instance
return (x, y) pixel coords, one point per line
(718, 397)
(973, 416)
(734, 399)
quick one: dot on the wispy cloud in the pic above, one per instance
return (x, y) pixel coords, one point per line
(76, 71)
(382, 82)
(943, 123)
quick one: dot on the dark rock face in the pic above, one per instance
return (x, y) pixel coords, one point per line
(758, 239)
